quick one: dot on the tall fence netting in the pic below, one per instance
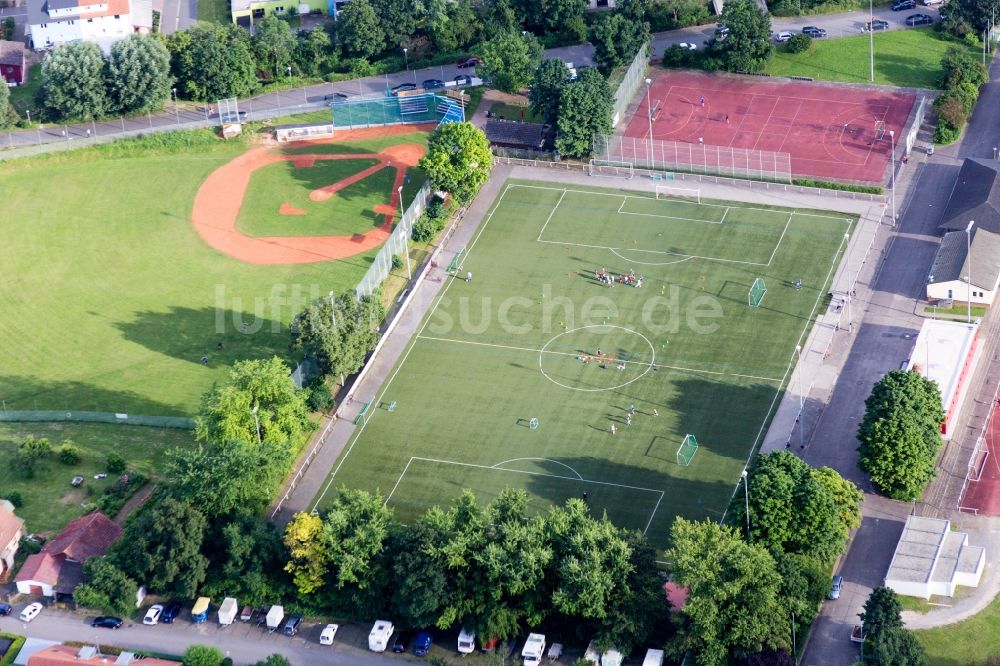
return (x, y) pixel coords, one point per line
(633, 78)
(395, 245)
(699, 158)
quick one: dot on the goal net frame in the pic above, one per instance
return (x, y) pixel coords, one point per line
(754, 289)
(687, 449)
(612, 168)
(229, 111)
(679, 193)
(879, 130)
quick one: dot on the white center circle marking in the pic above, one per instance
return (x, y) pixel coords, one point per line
(605, 327)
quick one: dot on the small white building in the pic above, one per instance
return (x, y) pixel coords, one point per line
(930, 559)
(104, 22)
(945, 351)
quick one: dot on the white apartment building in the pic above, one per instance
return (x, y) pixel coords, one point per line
(55, 22)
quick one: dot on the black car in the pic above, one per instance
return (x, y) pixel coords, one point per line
(170, 611)
(900, 5)
(6, 609)
(335, 97)
(403, 87)
(471, 61)
(292, 626)
(402, 640)
(107, 622)
(919, 19)
(813, 31)
(433, 84)
(463, 80)
(876, 25)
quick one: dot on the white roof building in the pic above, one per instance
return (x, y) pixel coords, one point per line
(945, 351)
(930, 559)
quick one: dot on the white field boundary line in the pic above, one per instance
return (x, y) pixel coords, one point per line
(551, 213)
(402, 361)
(780, 238)
(639, 194)
(494, 468)
(788, 369)
(660, 252)
(561, 353)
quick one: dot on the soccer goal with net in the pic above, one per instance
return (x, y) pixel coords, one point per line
(613, 168)
(691, 194)
(687, 449)
(757, 291)
(879, 129)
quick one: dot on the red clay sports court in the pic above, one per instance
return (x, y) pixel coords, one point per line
(828, 130)
(982, 493)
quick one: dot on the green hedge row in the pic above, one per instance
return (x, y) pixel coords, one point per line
(15, 647)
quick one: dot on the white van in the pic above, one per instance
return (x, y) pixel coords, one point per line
(653, 658)
(378, 638)
(31, 612)
(467, 641)
(533, 649)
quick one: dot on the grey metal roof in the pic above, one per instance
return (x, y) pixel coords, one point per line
(515, 134)
(976, 197)
(38, 13)
(63, 4)
(951, 262)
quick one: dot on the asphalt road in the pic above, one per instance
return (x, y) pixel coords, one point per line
(176, 14)
(243, 642)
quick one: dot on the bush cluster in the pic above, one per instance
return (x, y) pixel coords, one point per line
(963, 76)
(431, 222)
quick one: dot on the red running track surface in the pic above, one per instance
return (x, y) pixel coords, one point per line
(828, 130)
(984, 494)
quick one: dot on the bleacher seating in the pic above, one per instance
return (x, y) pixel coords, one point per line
(412, 104)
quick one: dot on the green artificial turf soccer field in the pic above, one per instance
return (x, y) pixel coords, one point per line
(109, 296)
(520, 342)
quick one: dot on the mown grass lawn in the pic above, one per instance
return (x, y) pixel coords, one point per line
(214, 11)
(908, 58)
(514, 112)
(49, 500)
(968, 642)
(23, 98)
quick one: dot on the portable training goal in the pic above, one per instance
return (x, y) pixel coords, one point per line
(613, 168)
(687, 449)
(678, 193)
(456, 261)
(879, 129)
(757, 291)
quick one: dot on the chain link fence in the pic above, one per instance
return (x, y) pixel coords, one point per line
(631, 80)
(397, 244)
(96, 417)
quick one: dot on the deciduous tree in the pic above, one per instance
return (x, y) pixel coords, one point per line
(747, 47)
(7, 117)
(734, 607)
(900, 433)
(458, 160)
(882, 611)
(309, 552)
(30, 451)
(360, 30)
(213, 62)
(618, 37)
(162, 548)
(355, 528)
(421, 581)
(274, 45)
(551, 78)
(340, 333)
(584, 111)
(510, 60)
(202, 655)
(138, 74)
(73, 82)
(106, 588)
(962, 16)
(894, 647)
(398, 20)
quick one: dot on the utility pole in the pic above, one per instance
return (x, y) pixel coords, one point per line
(871, 40)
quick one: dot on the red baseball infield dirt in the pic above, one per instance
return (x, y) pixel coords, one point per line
(217, 204)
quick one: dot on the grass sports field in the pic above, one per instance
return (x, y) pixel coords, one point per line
(520, 341)
(110, 298)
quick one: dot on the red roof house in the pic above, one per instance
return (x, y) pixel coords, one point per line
(58, 568)
(63, 655)
(13, 63)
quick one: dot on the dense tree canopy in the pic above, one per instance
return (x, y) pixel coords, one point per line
(339, 333)
(138, 74)
(962, 16)
(510, 60)
(797, 509)
(260, 402)
(458, 160)
(900, 433)
(584, 110)
(747, 47)
(359, 29)
(105, 588)
(161, 548)
(618, 36)
(887, 642)
(73, 82)
(551, 77)
(7, 115)
(213, 62)
(734, 607)
(274, 45)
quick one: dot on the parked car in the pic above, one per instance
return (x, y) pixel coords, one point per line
(30, 612)
(403, 87)
(401, 641)
(463, 80)
(471, 61)
(153, 614)
(782, 37)
(107, 622)
(835, 587)
(77, 481)
(170, 611)
(814, 31)
(292, 626)
(900, 5)
(5, 609)
(433, 84)
(688, 46)
(327, 635)
(721, 31)
(422, 643)
(932, 3)
(335, 97)
(919, 19)
(876, 25)
(246, 615)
